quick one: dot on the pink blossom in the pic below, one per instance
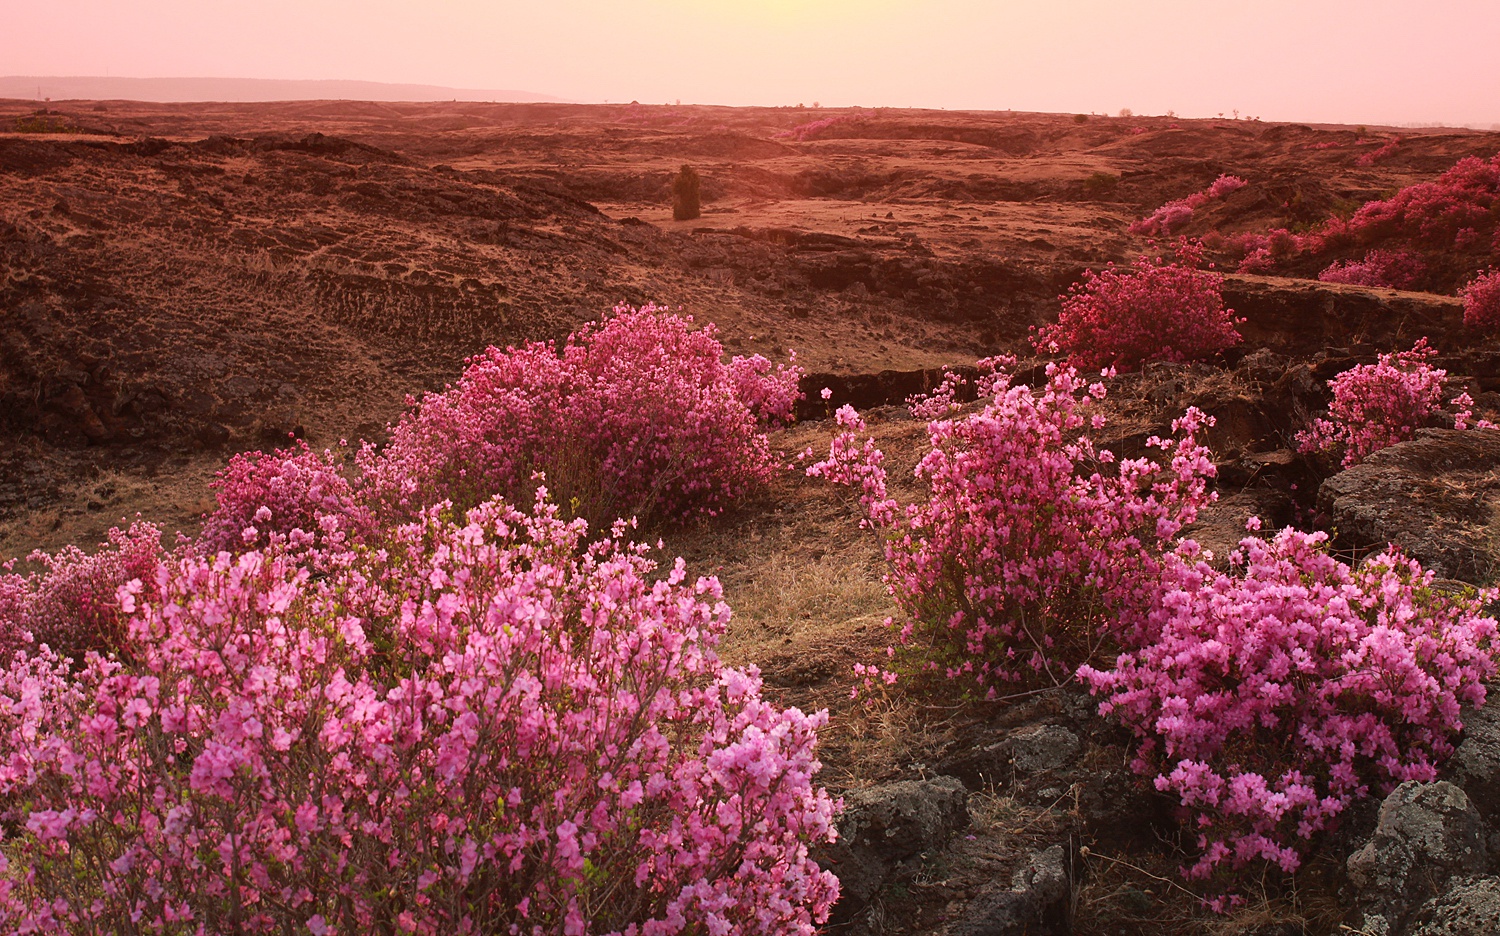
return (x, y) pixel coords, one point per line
(1154, 310)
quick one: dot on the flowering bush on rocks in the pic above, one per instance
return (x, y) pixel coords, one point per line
(1377, 405)
(1153, 311)
(260, 494)
(638, 416)
(70, 604)
(1436, 212)
(1032, 548)
(486, 726)
(1394, 269)
(1175, 214)
(1482, 302)
(1276, 694)
(813, 129)
(1377, 155)
(1455, 213)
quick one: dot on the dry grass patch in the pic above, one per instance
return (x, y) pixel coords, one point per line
(85, 509)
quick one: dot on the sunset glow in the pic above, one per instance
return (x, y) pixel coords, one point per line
(1336, 61)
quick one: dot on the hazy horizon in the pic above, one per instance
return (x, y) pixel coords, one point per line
(190, 89)
(1373, 62)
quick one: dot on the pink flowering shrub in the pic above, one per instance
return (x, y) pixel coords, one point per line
(1032, 548)
(814, 128)
(1223, 185)
(1456, 212)
(260, 494)
(1434, 212)
(486, 727)
(1278, 693)
(1161, 222)
(1155, 310)
(15, 595)
(1482, 302)
(70, 603)
(1174, 214)
(1378, 155)
(948, 397)
(638, 416)
(769, 392)
(1393, 269)
(1377, 405)
(943, 400)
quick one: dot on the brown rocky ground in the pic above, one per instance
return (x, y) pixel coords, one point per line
(179, 282)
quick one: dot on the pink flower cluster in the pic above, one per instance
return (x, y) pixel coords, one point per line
(70, 604)
(1278, 693)
(481, 727)
(1154, 310)
(1456, 211)
(260, 494)
(1482, 302)
(1379, 155)
(1393, 269)
(943, 400)
(1377, 405)
(769, 391)
(1436, 212)
(814, 128)
(638, 416)
(1175, 214)
(1032, 548)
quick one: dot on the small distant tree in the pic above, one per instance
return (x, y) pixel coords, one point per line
(685, 206)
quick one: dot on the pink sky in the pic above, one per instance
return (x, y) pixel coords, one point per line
(1350, 61)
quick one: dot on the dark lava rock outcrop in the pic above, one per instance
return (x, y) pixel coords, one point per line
(1435, 497)
(1429, 834)
(1302, 317)
(887, 825)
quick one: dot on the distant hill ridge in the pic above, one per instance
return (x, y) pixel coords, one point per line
(241, 90)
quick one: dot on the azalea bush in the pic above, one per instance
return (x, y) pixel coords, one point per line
(1277, 693)
(1436, 212)
(1456, 213)
(1374, 156)
(1395, 269)
(260, 494)
(813, 129)
(1032, 549)
(768, 390)
(1175, 214)
(69, 603)
(1482, 302)
(638, 416)
(487, 726)
(1377, 405)
(1154, 310)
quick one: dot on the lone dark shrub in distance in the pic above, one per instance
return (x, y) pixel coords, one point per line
(685, 195)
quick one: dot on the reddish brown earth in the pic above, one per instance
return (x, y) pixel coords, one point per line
(180, 282)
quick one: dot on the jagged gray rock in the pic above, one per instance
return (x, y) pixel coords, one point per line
(1469, 908)
(1428, 834)
(1038, 902)
(883, 826)
(1475, 765)
(1044, 747)
(1435, 497)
